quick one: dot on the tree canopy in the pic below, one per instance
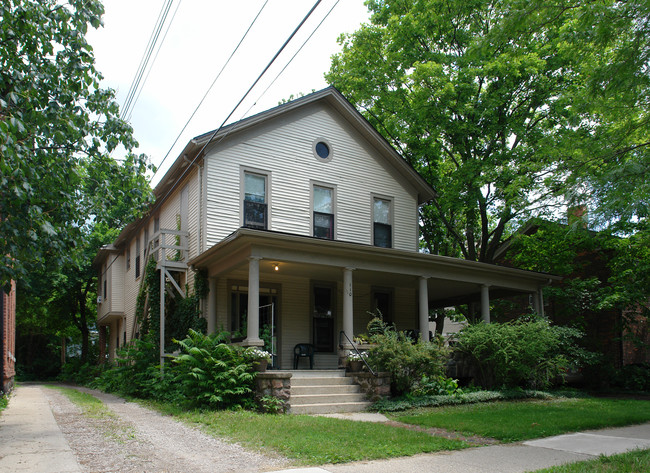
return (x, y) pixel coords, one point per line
(63, 196)
(509, 108)
(57, 127)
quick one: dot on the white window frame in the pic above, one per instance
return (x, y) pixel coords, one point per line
(267, 198)
(312, 184)
(391, 218)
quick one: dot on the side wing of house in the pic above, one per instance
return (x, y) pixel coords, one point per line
(169, 233)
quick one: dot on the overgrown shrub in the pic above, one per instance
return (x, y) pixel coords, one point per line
(406, 361)
(136, 372)
(211, 373)
(436, 386)
(524, 353)
(77, 372)
(632, 377)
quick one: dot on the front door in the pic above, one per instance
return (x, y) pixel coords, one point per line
(323, 319)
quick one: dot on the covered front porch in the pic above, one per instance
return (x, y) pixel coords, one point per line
(288, 290)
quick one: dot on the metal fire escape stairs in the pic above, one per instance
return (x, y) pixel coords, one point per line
(169, 248)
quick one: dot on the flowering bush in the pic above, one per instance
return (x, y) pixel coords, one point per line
(256, 354)
(357, 356)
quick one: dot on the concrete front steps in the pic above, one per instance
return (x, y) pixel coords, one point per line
(325, 392)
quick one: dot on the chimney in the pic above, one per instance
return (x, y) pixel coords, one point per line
(577, 216)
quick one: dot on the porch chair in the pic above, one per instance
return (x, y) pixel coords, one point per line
(303, 350)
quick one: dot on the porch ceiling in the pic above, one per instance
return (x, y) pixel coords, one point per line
(449, 280)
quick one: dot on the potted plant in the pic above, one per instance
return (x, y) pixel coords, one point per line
(355, 361)
(258, 357)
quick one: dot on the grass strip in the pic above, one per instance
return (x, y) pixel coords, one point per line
(313, 440)
(523, 420)
(89, 404)
(631, 462)
(95, 408)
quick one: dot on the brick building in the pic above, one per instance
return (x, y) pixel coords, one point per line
(7, 338)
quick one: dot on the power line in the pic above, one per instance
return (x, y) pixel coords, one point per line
(210, 88)
(146, 56)
(214, 133)
(154, 60)
(292, 58)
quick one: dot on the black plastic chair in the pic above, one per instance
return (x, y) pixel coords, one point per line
(303, 350)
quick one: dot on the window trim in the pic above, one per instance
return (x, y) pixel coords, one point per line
(329, 146)
(391, 218)
(267, 198)
(332, 187)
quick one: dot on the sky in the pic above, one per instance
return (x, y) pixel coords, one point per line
(199, 41)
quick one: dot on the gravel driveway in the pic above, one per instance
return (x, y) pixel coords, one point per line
(140, 440)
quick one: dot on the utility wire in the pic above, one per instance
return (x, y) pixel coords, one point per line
(146, 56)
(209, 89)
(153, 61)
(214, 133)
(291, 60)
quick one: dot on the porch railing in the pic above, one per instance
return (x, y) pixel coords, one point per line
(361, 357)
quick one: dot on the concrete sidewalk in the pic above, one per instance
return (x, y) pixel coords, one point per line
(30, 439)
(510, 458)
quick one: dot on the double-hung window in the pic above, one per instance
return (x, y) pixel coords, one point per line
(323, 212)
(137, 257)
(382, 226)
(255, 204)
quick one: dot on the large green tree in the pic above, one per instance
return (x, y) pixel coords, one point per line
(56, 122)
(509, 108)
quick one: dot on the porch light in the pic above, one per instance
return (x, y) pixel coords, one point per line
(276, 266)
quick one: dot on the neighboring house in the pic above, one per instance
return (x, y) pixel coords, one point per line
(7, 338)
(622, 336)
(305, 208)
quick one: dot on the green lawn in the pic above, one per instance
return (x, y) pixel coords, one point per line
(630, 462)
(317, 440)
(521, 420)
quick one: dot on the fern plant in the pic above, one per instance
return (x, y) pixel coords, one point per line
(213, 374)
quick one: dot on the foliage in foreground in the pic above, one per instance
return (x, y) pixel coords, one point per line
(407, 362)
(515, 421)
(629, 462)
(208, 373)
(524, 353)
(411, 401)
(3, 402)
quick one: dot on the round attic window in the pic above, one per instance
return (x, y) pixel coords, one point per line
(322, 150)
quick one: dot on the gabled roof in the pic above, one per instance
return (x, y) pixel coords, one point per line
(332, 97)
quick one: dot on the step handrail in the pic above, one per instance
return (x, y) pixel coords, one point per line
(363, 358)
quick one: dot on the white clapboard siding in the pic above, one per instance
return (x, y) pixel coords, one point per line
(116, 282)
(284, 149)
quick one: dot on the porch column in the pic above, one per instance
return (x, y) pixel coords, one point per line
(423, 318)
(541, 302)
(253, 323)
(212, 305)
(348, 306)
(485, 303)
(535, 296)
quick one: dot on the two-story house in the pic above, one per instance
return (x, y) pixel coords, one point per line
(305, 219)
